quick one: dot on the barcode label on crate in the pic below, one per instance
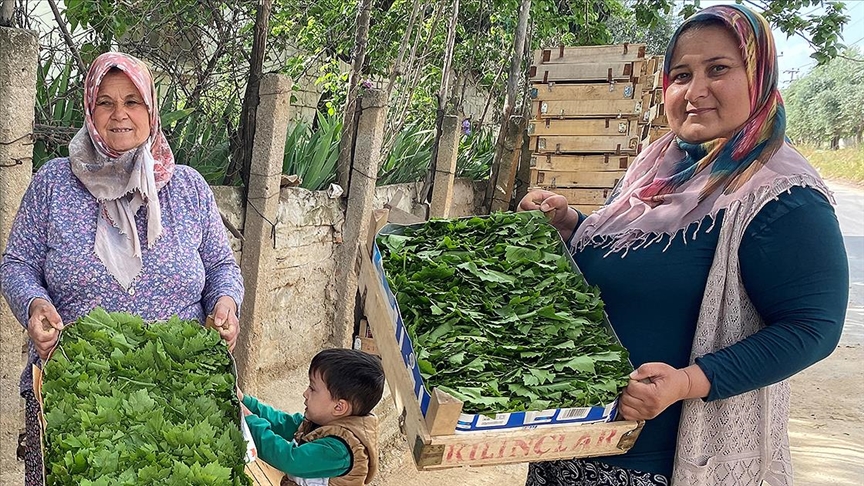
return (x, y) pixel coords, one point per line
(574, 413)
(483, 421)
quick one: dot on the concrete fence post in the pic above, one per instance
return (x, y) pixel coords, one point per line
(19, 57)
(262, 206)
(364, 174)
(445, 167)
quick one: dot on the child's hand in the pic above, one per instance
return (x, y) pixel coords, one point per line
(240, 395)
(245, 410)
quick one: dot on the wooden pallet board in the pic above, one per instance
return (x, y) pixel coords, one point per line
(587, 108)
(588, 91)
(564, 144)
(584, 162)
(657, 79)
(652, 134)
(657, 115)
(264, 474)
(581, 54)
(612, 127)
(590, 197)
(585, 209)
(586, 72)
(568, 178)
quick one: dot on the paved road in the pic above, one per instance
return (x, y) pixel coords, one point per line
(850, 213)
(826, 427)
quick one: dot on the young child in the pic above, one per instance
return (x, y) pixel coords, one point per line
(335, 442)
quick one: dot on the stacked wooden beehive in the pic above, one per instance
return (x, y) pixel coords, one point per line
(654, 117)
(585, 129)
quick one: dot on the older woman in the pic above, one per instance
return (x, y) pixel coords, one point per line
(722, 267)
(116, 225)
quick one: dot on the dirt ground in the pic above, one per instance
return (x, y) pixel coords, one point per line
(826, 432)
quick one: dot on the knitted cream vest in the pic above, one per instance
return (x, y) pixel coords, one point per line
(740, 440)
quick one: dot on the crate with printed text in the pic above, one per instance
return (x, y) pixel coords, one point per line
(440, 433)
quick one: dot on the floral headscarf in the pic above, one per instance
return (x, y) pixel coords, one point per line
(674, 184)
(122, 182)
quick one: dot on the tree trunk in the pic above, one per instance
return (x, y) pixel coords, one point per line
(241, 159)
(349, 122)
(512, 87)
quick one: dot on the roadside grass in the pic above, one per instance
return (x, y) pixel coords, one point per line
(843, 165)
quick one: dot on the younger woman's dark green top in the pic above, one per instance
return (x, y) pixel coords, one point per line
(794, 269)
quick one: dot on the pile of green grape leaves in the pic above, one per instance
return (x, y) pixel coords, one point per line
(498, 316)
(128, 403)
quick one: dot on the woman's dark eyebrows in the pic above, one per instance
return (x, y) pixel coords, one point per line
(717, 58)
(706, 61)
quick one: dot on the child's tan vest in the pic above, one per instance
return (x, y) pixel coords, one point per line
(360, 434)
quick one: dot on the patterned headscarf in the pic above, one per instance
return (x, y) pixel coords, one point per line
(122, 182)
(674, 184)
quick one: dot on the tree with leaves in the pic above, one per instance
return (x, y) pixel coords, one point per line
(827, 103)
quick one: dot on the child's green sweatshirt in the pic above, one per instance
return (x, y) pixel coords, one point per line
(273, 433)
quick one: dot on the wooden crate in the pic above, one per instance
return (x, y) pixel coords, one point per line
(264, 474)
(653, 64)
(653, 134)
(585, 209)
(610, 127)
(647, 100)
(590, 197)
(587, 108)
(432, 437)
(580, 54)
(364, 341)
(586, 72)
(589, 91)
(562, 144)
(581, 162)
(657, 115)
(553, 179)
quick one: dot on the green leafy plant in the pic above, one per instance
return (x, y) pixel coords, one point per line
(128, 403)
(313, 155)
(476, 152)
(58, 110)
(408, 160)
(499, 318)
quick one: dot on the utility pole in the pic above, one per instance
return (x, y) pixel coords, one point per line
(792, 73)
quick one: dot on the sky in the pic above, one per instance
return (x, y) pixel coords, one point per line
(794, 53)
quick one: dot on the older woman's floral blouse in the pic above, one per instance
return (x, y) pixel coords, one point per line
(50, 253)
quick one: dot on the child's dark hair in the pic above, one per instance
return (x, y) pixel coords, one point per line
(351, 375)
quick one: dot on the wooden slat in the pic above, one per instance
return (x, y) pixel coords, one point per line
(653, 134)
(586, 71)
(587, 108)
(581, 162)
(585, 209)
(580, 144)
(657, 115)
(443, 414)
(564, 55)
(539, 444)
(585, 196)
(401, 387)
(264, 474)
(584, 126)
(555, 179)
(588, 91)
(657, 80)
